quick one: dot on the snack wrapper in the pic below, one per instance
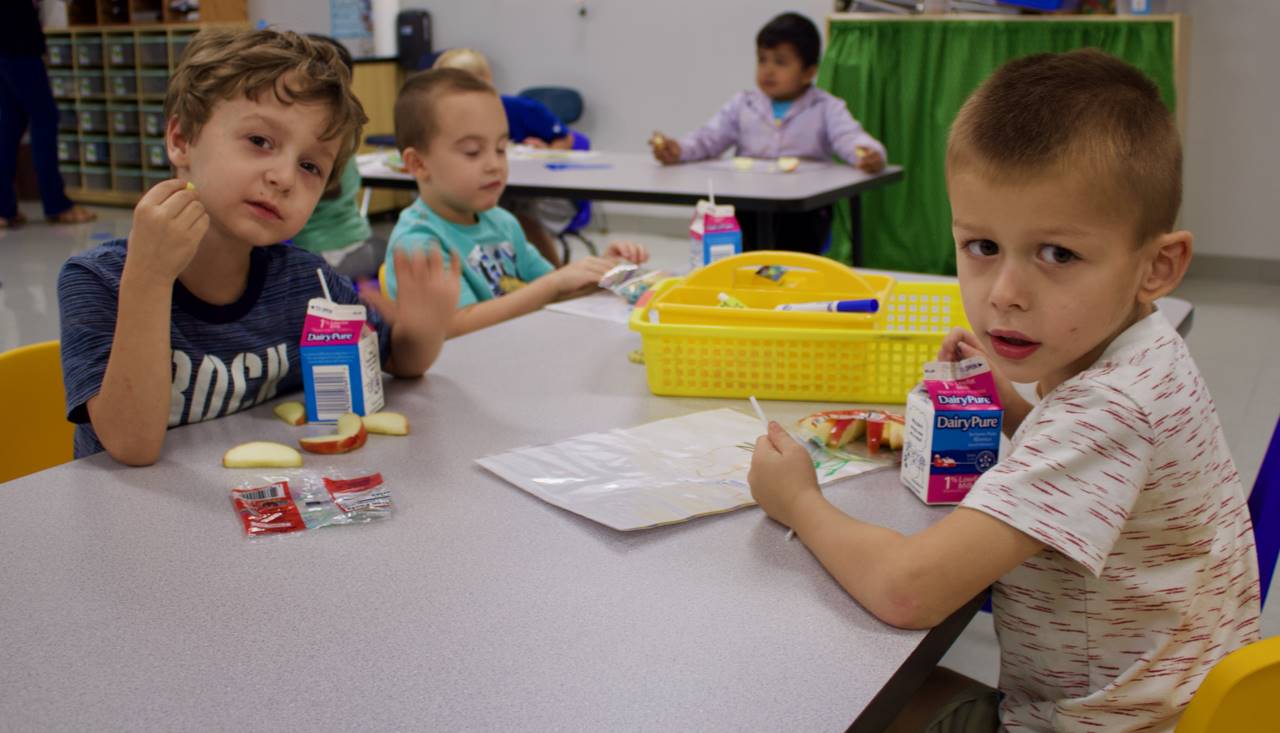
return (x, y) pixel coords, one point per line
(629, 281)
(854, 434)
(293, 501)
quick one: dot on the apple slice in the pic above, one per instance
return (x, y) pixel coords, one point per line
(351, 435)
(294, 413)
(848, 433)
(894, 432)
(743, 163)
(786, 164)
(262, 454)
(386, 423)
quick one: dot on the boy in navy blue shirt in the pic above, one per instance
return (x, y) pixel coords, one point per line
(199, 312)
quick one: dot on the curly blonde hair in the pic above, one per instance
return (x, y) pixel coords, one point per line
(226, 63)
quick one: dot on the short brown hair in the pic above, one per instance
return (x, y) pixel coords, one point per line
(1082, 110)
(226, 63)
(415, 106)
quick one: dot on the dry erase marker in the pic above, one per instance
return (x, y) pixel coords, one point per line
(577, 166)
(863, 305)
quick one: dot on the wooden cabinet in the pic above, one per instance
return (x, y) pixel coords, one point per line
(376, 82)
(126, 12)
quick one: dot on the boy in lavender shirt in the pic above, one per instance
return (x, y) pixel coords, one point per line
(785, 117)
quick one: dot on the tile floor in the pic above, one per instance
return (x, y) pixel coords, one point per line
(1235, 339)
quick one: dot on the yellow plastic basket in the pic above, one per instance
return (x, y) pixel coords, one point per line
(812, 361)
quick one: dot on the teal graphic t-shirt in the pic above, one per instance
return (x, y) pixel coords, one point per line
(496, 258)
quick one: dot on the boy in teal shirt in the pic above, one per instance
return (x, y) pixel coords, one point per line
(452, 133)
(497, 257)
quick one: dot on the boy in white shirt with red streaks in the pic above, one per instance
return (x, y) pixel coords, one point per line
(1115, 534)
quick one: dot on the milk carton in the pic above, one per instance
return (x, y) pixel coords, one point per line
(952, 430)
(341, 365)
(713, 235)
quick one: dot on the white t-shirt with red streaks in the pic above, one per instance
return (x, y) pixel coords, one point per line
(1149, 575)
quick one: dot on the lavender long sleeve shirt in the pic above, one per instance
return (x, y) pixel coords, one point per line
(817, 126)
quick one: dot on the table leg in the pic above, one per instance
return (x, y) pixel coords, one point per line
(855, 230)
(764, 231)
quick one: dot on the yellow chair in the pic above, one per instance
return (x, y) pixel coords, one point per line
(1239, 694)
(34, 434)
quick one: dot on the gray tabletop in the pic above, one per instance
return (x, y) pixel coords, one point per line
(131, 600)
(637, 177)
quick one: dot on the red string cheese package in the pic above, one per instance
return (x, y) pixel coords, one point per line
(293, 501)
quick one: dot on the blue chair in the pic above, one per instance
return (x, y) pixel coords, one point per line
(563, 102)
(1264, 510)
(582, 214)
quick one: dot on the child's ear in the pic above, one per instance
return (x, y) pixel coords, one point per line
(177, 144)
(414, 164)
(810, 73)
(1169, 257)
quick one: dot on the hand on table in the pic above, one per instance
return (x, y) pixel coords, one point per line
(629, 251)
(665, 149)
(870, 161)
(580, 275)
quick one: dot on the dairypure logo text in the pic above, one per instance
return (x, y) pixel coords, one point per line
(966, 399)
(967, 423)
(326, 337)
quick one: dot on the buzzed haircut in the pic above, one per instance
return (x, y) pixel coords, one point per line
(1083, 111)
(795, 29)
(416, 104)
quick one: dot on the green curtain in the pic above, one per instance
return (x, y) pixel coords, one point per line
(905, 81)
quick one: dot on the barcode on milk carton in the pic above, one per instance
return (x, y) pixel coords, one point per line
(332, 386)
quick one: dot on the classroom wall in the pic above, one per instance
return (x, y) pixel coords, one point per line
(1232, 156)
(670, 64)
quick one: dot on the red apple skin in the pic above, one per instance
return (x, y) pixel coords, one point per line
(337, 442)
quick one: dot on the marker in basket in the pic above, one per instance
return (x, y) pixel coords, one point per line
(862, 305)
(728, 301)
(764, 421)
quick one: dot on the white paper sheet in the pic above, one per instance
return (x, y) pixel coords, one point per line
(603, 305)
(659, 473)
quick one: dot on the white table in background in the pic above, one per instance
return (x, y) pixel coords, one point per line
(639, 178)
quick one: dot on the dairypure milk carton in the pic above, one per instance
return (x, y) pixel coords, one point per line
(713, 235)
(952, 430)
(341, 364)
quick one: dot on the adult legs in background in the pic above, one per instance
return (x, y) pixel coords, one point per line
(26, 99)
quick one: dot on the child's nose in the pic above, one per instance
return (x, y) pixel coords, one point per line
(1009, 288)
(281, 175)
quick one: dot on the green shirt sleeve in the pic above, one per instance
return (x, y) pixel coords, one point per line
(336, 223)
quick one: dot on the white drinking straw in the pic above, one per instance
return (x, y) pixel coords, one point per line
(324, 285)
